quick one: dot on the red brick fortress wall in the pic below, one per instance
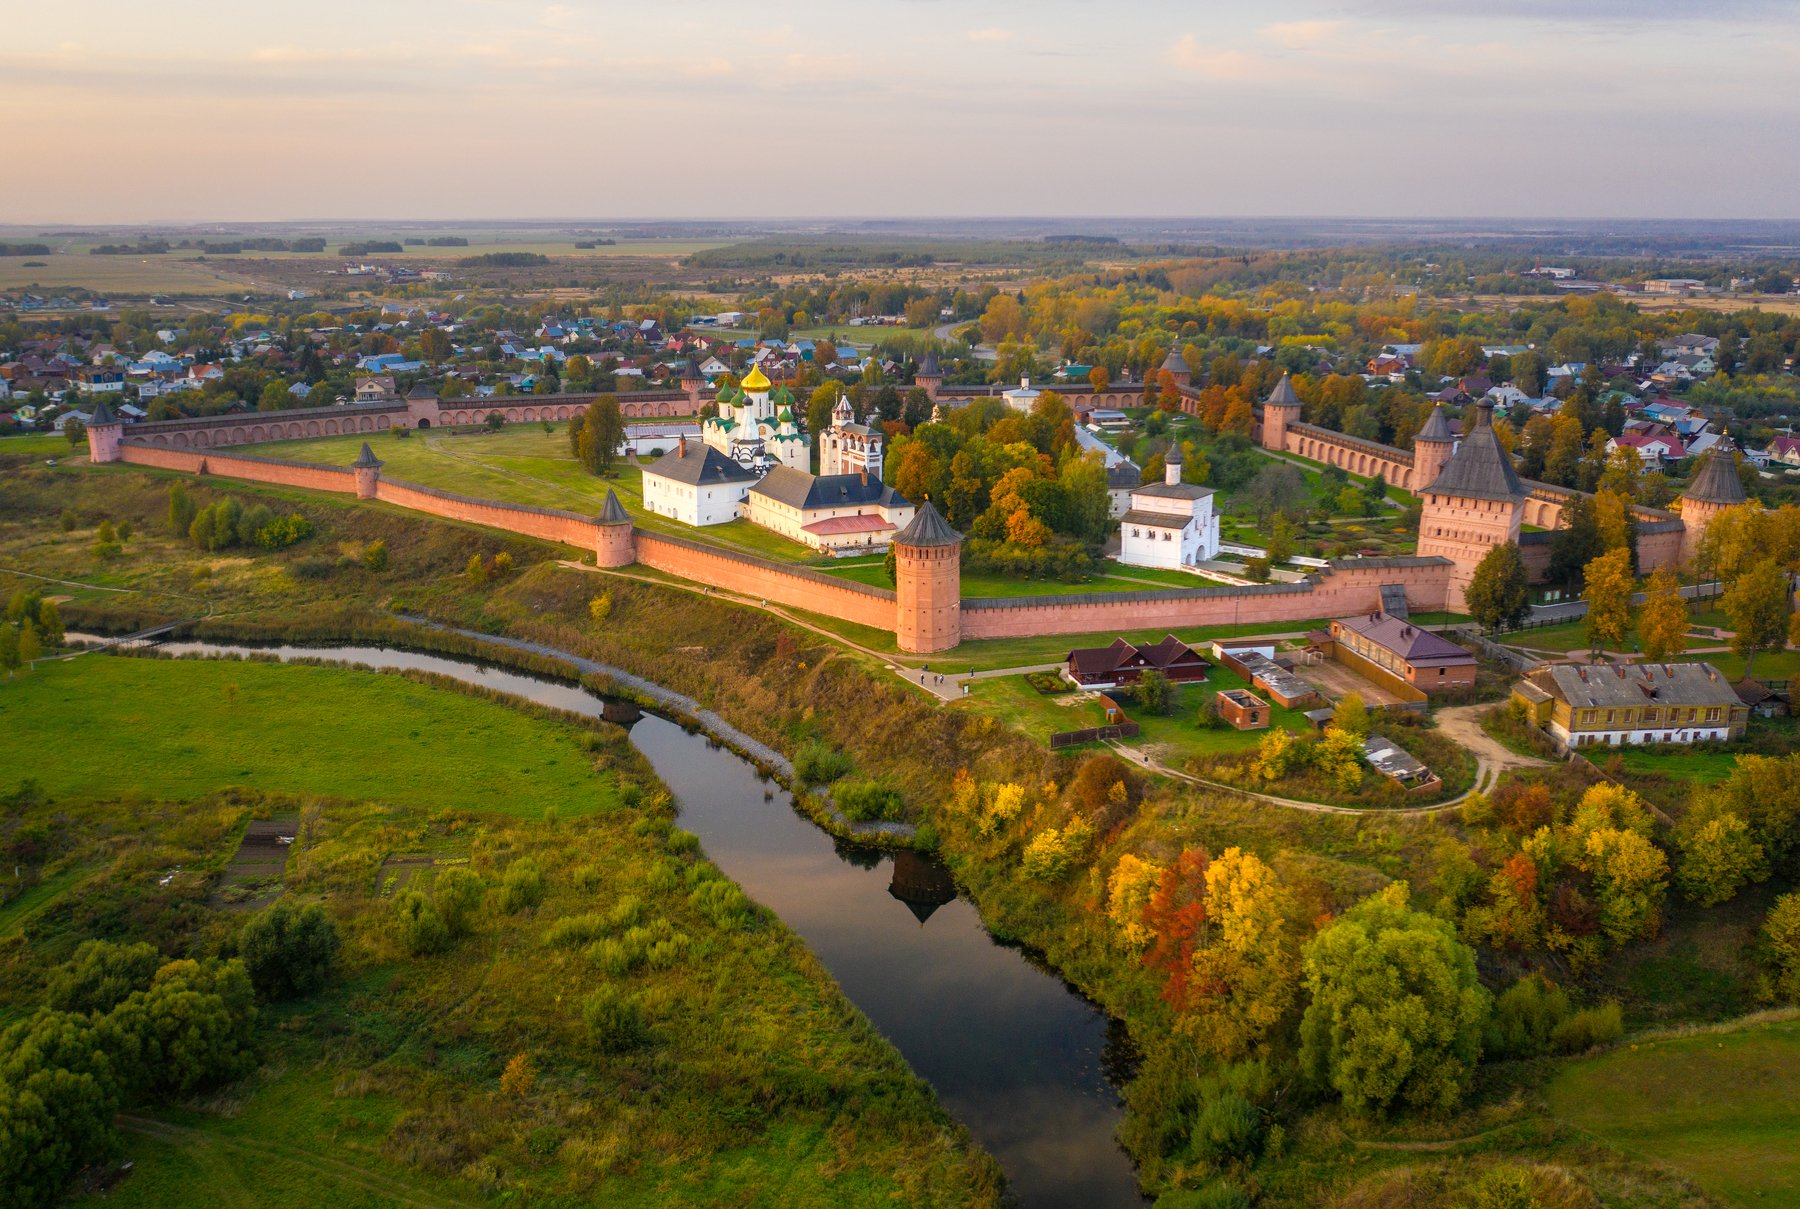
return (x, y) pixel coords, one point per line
(750, 576)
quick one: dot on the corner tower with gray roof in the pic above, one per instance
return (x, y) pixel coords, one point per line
(927, 583)
(1433, 446)
(1715, 489)
(1280, 409)
(1177, 367)
(1475, 503)
(367, 468)
(104, 432)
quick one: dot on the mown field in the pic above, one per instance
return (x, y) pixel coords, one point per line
(1721, 1108)
(742, 1075)
(328, 731)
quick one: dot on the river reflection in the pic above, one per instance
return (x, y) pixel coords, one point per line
(1012, 1051)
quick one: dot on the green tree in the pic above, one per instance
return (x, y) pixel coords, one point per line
(9, 648)
(1608, 588)
(1351, 715)
(1498, 596)
(1756, 604)
(422, 929)
(289, 951)
(495, 421)
(602, 433)
(1155, 693)
(1781, 942)
(192, 1028)
(181, 510)
(29, 646)
(457, 893)
(435, 344)
(101, 975)
(1396, 1011)
(58, 1096)
(276, 396)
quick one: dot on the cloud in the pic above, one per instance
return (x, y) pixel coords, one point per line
(1297, 35)
(1211, 63)
(991, 34)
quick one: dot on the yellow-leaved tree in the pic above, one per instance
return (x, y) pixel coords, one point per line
(1128, 892)
(1247, 979)
(1663, 621)
(1608, 594)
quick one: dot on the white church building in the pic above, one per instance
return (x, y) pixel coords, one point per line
(1169, 524)
(756, 428)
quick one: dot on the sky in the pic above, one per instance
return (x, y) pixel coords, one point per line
(186, 110)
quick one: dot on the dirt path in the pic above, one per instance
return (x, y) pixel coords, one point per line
(205, 1146)
(1462, 723)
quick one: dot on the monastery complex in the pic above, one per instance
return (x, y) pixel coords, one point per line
(753, 460)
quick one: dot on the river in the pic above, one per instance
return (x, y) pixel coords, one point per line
(1014, 1053)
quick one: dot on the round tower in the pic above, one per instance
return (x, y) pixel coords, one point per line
(1432, 447)
(928, 376)
(614, 547)
(1715, 488)
(693, 382)
(104, 432)
(368, 473)
(1177, 367)
(927, 583)
(1280, 409)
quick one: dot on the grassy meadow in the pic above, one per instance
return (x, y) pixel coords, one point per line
(1721, 1108)
(309, 730)
(745, 1077)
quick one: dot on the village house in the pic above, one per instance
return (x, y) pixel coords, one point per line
(1584, 705)
(836, 514)
(1397, 647)
(1169, 524)
(696, 485)
(1124, 662)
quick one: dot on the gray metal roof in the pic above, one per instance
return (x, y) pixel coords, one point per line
(928, 367)
(1175, 363)
(366, 457)
(1636, 684)
(699, 465)
(798, 489)
(613, 512)
(1155, 520)
(1717, 482)
(1481, 468)
(1283, 395)
(1174, 491)
(927, 528)
(103, 415)
(1437, 427)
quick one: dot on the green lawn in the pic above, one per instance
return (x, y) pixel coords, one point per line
(1723, 1109)
(1115, 579)
(99, 726)
(1766, 736)
(521, 465)
(40, 445)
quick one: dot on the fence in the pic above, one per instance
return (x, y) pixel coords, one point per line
(1517, 660)
(1069, 738)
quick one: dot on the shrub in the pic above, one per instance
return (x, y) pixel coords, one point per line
(503, 562)
(422, 930)
(1589, 1027)
(522, 887)
(288, 950)
(101, 975)
(1155, 694)
(817, 764)
(1220, 1194)
(574, 930)
(311, 568)
(375, 556)
(601, 607)
(721, 902)
(614, 1021)
(456, 893)
(1780, 940)
(864, 801)
(1525, 1017)
(1052, 853)
(1228, 1127)
(519, 1077)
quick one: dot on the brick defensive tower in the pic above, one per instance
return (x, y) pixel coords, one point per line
(368, 473)
(1177, 366)
(1716, 487)
(927, 583)
(615, 547)
(104, 432)
(693, 382)
(1432, 448)
(1280, 409)
(929, 377)
(1474, 504)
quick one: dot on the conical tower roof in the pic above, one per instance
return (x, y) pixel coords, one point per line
(1283, 395)
(366, 458)
(929, 366)
(1437, 427)
(691, 372)
(927, 528)
(1718, 481)
(1172, 455)
(1481, 468)
(103, 415)
(613, 512)
(1175, 363)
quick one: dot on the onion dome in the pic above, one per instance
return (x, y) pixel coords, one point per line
(755, 380)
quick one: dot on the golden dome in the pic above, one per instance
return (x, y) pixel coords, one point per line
(755, 380)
